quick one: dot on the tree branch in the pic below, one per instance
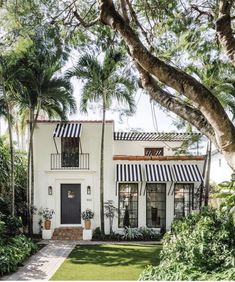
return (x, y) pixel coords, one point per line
(54, 19)
(83, 23)
(124, 11)
(197, 93)
(185, 84)
(138, 24)
(202, 12)
(175, 105)
(224, 29)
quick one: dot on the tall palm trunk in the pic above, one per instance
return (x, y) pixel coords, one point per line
(17, 134)
(12, 178)
(207, 174)
(30, 195)
(29, 210)
(9, 121)
(102, 171)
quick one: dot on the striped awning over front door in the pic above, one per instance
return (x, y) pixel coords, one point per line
(158, 173)
(128, 173)
(67, 130)
(187, 173)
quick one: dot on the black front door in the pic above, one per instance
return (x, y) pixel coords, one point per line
(70, 204)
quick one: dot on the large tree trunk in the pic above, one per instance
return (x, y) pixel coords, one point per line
(224, 29)
(200, 97)
(102, 171)
(174, 104)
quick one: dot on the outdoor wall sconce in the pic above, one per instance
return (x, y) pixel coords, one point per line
(88, 190)
(49, 190)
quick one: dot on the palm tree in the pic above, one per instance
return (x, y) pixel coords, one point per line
(103, 83)
(42, 90)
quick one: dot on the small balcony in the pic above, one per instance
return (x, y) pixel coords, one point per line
(70, 161)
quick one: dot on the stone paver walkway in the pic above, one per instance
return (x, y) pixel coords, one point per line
(44, 263)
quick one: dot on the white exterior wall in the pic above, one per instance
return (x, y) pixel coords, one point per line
(136, 148)
(43, 148)
(220, 170)
(90, 140)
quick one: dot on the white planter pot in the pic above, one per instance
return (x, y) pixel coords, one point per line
(87, 234)
(46, 234)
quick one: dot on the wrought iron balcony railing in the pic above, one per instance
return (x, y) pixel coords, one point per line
(69, 161)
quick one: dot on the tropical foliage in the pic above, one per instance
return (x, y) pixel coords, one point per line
(14, 247)
(87, 214)
(225, 191)
(14, 252)
(129, 234)
(20, 165)
(110, 211)
(198, 247)
(33, 86)
(46, 213)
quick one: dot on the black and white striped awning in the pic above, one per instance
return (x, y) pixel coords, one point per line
(158, 173)
(128, 173)
(153, 136)
(68, 130)
(186, 173)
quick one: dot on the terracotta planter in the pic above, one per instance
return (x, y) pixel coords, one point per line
(47, 224)
(87, 224)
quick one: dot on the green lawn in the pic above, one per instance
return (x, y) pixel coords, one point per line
(107, 262)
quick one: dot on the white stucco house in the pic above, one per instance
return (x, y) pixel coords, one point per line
(141, 174)
(220, 171)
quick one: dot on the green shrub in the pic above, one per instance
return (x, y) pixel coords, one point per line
(129, 234)
(2, 232)
(13, 225)
(199, 247)
(98, 234)
(132, 234)
(15, 252)
(140, 234)
(150, 234)
(20, 180)
(4, 206)
(183, 272)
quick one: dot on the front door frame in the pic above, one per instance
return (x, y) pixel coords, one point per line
(79, 201)
(58, 183)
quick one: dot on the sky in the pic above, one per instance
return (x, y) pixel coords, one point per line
(142, 120)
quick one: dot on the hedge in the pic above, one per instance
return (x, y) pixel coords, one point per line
(198, 247)
(13, 253)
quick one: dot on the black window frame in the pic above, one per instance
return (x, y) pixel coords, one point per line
(137, 191)
(70, 159)
(157, 149)
(155, 183)
(191, 203)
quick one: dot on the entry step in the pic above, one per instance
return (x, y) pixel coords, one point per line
(67, 233)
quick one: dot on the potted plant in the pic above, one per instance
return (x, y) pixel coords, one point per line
(87, 215)
(47, 215)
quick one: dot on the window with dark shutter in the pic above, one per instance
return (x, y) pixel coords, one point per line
(153, 151)
(70, 152)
